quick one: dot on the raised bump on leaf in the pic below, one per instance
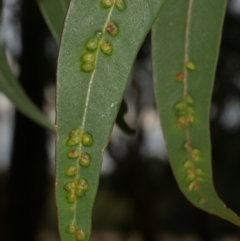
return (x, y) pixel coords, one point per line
(80, 235)
(88, 68)
(190, 65)
(87, 139)
(106, 47)
(180, 77)
(74, 137)
(99, 34)
(112, 29)
(188, 164)
(195, 155)
(73, 154)
(71, 197)
(71, 171)
(92, 44)
(107, 3)
(193, 186)
(120, 5)
(84, 160)
(70, 186)
(88, 58)
(83, 184)
(71, 228)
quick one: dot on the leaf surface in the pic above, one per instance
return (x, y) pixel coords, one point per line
(186, 39)
(89, 93)
(12, 89)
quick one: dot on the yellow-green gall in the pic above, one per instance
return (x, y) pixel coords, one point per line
(188, 164)
(180, 105)
(75, 133)
(71, 197)
(188, 146)
(84, 160)
(188, 99)
(70, 186)
(120, 5)
(191, 174)
(107, 3)
(193, 186)
(80, 235)
(71, 228)
(106, 47)
(92, 45)
(83, 185)
(74, 137)
(190, 65)
(71, 171)
(195, 155)
(80, 193)
(73, 142)
(99, 34)
(198, 171)
(88, 68)
(180, 108)
(87, 139)
(73, 154)
(181, 121)
(88, 58)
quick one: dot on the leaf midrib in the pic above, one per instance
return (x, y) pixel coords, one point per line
(82, 126)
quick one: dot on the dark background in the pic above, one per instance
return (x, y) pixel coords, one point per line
(138, 198)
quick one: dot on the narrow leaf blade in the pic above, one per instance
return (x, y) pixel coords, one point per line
(88, 102)
(186, 40)
(12, 89)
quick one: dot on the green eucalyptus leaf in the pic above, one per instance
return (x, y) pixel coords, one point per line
(12, 89)
(54, 12)
(99, 44)
(186, 39)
